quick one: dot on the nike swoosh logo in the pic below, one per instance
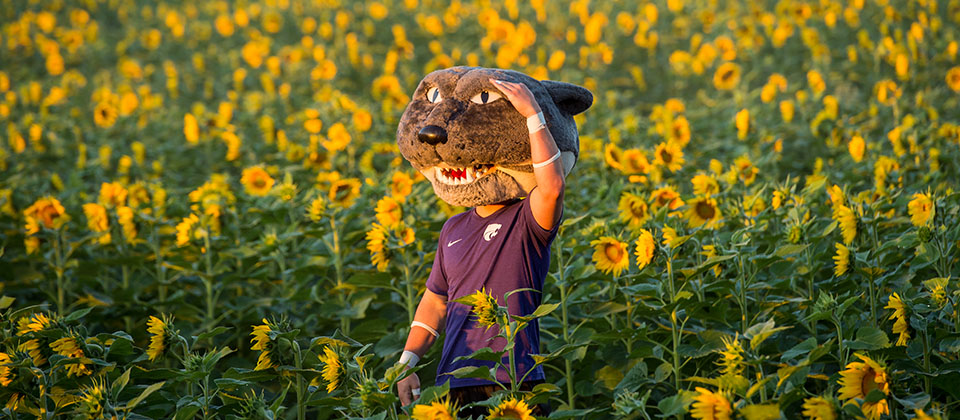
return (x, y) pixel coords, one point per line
(449, 244)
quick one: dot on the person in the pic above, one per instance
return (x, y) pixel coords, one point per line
(499, 247)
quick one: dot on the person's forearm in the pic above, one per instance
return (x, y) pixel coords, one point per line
(430, 315)
(550, 176)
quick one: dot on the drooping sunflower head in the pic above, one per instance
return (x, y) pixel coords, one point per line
(860, 378)
(70, 347)
(645, 247)
(443, 409)
(610, 255)
(7, 373)
(377, 245)
(709, 405)
(511, 409)
(483, 306)
(841, 260)
(333, 368)
(270, 355)
(35, 322)
(819, 408)
(921, 209)
(161, 335)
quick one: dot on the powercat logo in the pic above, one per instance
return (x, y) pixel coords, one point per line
(491, 231)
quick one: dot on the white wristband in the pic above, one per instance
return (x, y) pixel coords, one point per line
(426, 327)
(536, 122)
(409, 358)
(548, 161)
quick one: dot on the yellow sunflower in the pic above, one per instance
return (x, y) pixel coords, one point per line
(332, 368)
(511, 409)
(69, 347)
(859, 379)
(953, 78)
(819, 408)
(633, 210)
(745, 169)
(921, 209)
(900, 326)
(742, 121)
(48, 211)
(727, 76)
(848, 223)
(645, 247)
(316, 209)
(104, 115)
(710, 405)
(613, 155)
(856, 148)
(731, 360)
(344, 191)
(610, 255)
(261, 341)
(6, 373)
(483, 306)
(191, 128)
(160, 336)
(841, 260)
(35, 350)
(669, 155)
(388, 212)
(33, 323)
(401, 185)
(437, 410)
(703, 211)
(705, 185)
(665, 196)
(256, 181)
(376, 244)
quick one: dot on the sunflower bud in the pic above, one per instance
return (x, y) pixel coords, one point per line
(925, 234)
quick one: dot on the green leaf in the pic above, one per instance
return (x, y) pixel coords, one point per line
(75, 315)
(6, 301)
(869, 338)
(790, 249)
(187, 411)
(483, 353)
(210, 334)
(146, 393)
(120, 383)
(676, 404)
(433, 393)
(481, 372)
(874, 396)
(760, 332)
(800, 349)
(544, 310)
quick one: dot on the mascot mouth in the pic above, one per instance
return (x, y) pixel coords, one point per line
(463, 175)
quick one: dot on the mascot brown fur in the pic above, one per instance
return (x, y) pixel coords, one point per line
(471, 143)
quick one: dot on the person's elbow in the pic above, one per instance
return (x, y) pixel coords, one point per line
(552, 189)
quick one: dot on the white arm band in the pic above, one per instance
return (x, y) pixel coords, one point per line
(536, 122)
(409, 358)
(548, 161)
(426, 327)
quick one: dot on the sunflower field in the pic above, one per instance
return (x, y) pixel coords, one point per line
(204, 214)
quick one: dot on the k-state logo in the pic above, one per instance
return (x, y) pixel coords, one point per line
(491, 231)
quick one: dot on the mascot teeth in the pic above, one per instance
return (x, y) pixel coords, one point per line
(462, 176)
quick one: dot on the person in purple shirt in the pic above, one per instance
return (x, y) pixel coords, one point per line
(503, 246)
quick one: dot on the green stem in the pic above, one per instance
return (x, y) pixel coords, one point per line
(411, 307)
(161, 280)
(511, 336)
(206, 397)
(301, 404)
(742, 294)
(58, 255)
(926, 361)
(338, 265)
(567, 366)
(208, 280)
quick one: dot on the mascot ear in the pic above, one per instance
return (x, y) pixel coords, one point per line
(570, 98)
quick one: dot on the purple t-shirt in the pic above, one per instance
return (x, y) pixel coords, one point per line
(504, 251)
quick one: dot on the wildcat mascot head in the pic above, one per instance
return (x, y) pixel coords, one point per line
(472, 144)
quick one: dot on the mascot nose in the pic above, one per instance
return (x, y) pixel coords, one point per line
(432, 135)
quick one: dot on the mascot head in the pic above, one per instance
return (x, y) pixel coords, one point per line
(472, 144)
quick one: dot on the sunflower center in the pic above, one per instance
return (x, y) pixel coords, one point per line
(259, 183)
(666, 157)
(868, 382)
(638, 211)
(705, 210)
(726, 75)
(613, 252)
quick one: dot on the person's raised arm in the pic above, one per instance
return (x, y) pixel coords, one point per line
(427, 322)
(546, 200)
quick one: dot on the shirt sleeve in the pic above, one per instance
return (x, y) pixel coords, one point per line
(543, 236)
(437, 281)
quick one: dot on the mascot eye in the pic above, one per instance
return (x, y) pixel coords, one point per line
(485, 97)
(433, 95)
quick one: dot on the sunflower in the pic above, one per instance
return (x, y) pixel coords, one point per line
(388, 212)
(6, 372)
(91, 400)
(104, 115)
(856, 148)
(819, 408)
(742, 121)
(376, 244)
(113, 194)
(344, 191)
(731, 361)
(953, 78)
(848, 223)
(97, 221)
(634, 161)
(645, 247)
(900, 326)
(745, 170)
(160, 336)
(668, 155)
(859, 379)
(610, 255)
(261, 341)
(48, 211)
(401, 185)
(438, 410)
(338, 137)
(703, 210)
(69, 347)
(710, 251)
(705, 185)
(316, 209)
(613, 155)
(841, 260)
(185, 229)
(727, 76)
(711, 405)
(333, 370)
(665, 196)
(256, 181)
(35, 350)
(484, 307)
(633, 210)
(921, 209)
(511, 409)
(191, 128)
(33, 323)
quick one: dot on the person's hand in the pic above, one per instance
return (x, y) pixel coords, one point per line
(409, 389)
(519, 95)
